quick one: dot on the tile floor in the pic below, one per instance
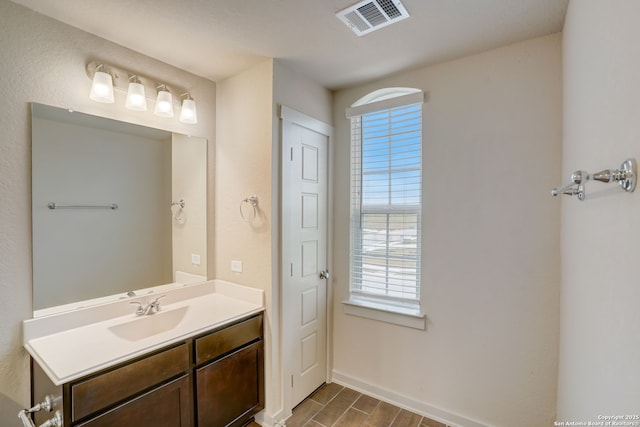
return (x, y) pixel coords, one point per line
(333, 405)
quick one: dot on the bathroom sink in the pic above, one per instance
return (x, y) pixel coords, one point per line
(149, 325)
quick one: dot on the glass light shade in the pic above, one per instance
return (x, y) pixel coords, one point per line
(136, 99)
(164, 104)
(102, 88)
(188, 113)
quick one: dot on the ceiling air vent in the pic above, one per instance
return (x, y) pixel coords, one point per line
(370, 15)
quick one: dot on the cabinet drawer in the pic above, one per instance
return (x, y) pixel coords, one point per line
(217, 343)
(168, 406)
(99, 392)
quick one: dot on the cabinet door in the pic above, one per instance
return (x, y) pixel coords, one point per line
(168, 406)
(231, 390)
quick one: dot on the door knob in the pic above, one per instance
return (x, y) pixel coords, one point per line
(324, 274)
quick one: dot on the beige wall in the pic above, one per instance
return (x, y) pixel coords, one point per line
(244, 169)
(43, 61)
(247, 153)
(295, 91)
(243, 155)
(600, 320)
(491, 270)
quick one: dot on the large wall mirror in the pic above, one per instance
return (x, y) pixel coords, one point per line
(116, 208)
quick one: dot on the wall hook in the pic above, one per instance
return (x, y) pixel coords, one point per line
(626, 177)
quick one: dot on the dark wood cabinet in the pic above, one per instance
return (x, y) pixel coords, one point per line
(101, 391)
(215, 379)
(230, 374)
(230, 390)
(168, 405)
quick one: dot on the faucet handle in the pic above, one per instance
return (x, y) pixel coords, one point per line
(156, 303)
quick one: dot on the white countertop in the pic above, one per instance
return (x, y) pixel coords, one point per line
(71, 345)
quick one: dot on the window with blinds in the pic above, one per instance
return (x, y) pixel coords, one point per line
(386, 180)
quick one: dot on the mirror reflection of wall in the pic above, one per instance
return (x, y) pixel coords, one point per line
(189, 172)
(92, 251)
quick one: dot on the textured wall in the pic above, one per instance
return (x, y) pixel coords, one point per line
(600, 320)
(491, 269)
(247, 153)
(243, 153)
(43, 61)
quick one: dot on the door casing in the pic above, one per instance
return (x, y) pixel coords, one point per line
(290, 117)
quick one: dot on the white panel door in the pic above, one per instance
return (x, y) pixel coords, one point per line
(304, 249)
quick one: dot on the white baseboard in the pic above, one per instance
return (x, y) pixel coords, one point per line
(269, 420)
(405, 402)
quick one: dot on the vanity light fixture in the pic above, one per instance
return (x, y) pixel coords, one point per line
(188, 113)
(139, 90)
(164, 102)
(136, 98)
(102, 86)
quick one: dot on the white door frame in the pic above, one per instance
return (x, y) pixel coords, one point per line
(303, 120)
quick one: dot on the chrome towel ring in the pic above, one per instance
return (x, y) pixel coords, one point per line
(178, 214)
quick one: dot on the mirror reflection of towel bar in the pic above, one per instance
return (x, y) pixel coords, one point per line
(112, 206)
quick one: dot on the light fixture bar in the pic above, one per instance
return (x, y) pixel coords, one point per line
(141, 90)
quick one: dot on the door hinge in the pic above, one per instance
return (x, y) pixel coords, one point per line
(291, 381)
(291, 270)
(292, 154)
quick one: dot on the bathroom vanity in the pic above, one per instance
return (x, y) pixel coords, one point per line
(198, 361)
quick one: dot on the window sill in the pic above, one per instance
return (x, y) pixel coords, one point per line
(403, 316)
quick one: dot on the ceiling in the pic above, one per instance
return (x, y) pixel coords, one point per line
(216, 39)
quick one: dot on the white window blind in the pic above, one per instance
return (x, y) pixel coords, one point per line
(386, 193)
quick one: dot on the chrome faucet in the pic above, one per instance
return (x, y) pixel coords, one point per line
(149, 307)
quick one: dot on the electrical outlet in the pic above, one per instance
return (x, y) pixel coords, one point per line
(236, 266)
(195, 259)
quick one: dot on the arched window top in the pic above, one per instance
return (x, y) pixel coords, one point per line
(385, 98)
(385, 93)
